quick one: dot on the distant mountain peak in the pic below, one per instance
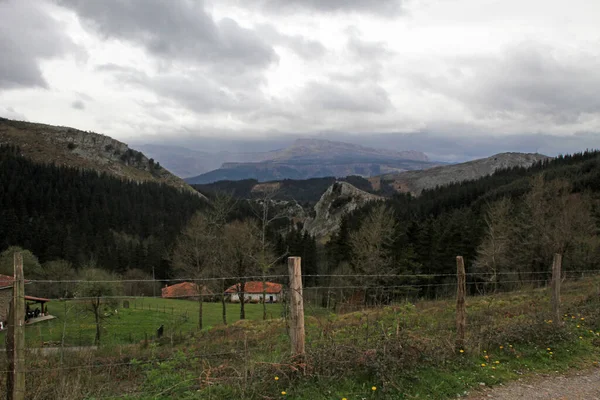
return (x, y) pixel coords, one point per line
(307, 147)
(317, 158)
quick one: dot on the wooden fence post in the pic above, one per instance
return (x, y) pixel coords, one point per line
(15, 338)
(556, 276)
(461, 309)
(296, 306)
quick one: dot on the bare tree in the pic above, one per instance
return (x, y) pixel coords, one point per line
(222, 207)
(492, 254)
(193, 255)
(522, 237)
(98, 289)
(266, 215)
(371, 245)
(552, 221)
(242, 248)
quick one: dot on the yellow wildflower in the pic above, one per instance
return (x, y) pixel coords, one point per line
(548, 349)
(276, 378)
(501, 347)
(483, 365)
(373, 388)
(461, 351)
(283, 393)
(497, 362)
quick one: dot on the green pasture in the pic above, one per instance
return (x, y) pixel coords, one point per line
(130, 325)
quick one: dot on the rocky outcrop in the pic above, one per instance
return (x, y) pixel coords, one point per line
(75, 148)
(339, 199)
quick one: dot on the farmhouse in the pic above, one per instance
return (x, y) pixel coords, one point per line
(185, 290)
(36, 309)
(253, 292)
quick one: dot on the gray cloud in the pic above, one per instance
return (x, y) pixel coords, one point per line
(530, 81)
(345, 96)
(10, 113)
(194, 90)
(28, 34)
(385, 8)
(78, 105)
(180, 29)
(306, 48)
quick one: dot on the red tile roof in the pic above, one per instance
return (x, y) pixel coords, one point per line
(183, 289)
(256, 287)
(7, 281)
(40, 299)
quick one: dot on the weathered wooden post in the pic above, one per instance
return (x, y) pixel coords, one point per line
(461, 309)
(556, 276)
(296, 306)
(15, 338)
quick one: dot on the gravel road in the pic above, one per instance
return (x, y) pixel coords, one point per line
(582, 385)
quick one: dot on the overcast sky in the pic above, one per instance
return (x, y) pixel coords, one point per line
(456, 71)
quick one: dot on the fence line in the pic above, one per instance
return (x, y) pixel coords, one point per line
(285, 276)
(375, 331)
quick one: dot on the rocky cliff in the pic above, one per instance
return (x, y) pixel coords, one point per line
(338, 200)
(75, 148)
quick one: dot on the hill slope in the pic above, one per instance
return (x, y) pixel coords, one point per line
(416, 181)
(315, 158)
(64, 146)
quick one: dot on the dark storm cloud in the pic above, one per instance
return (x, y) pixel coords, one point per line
(530, 81)
(28, 34)
(386, 8)
(179, 29)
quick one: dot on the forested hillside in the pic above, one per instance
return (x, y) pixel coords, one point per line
(88, 217)
(512, 221)
(511, 218)
(305, 191)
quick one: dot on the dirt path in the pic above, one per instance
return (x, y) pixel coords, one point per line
(582, 385)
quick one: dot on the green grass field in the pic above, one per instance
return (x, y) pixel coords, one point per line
(133, 324)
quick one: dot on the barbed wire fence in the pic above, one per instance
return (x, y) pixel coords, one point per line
(332, 323)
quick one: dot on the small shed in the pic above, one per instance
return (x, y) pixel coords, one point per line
(35, 307)
(253, 292)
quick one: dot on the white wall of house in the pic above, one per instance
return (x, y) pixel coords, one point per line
(255, 297)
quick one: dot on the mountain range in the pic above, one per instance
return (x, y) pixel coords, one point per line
(316, 158)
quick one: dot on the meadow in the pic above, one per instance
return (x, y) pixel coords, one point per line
(74, 325)
(404, 350)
